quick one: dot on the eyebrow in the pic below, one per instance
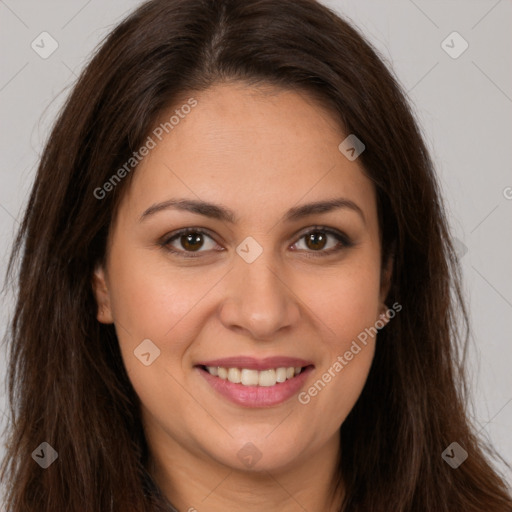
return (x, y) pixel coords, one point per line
(224, 214)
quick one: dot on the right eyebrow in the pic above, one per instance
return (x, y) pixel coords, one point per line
(191, 205)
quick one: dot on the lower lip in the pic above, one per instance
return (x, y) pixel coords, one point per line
(257, 396)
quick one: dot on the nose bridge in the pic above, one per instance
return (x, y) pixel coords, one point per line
(255, 262)
(258, 299)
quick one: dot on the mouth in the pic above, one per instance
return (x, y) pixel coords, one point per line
(250, 382)
(250, 377)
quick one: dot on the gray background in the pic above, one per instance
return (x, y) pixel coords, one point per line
(463, 105)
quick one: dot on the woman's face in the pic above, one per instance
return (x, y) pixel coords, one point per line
(252, 289)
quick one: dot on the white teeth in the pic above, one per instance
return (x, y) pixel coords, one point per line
(267, 378)
(249, 377)
(281, 374)
(234, 375)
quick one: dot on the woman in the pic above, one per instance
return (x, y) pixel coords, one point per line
(237, 288)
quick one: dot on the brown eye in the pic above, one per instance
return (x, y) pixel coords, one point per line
(191, 241)
(188, 241)
(316, 240)
(322, 242)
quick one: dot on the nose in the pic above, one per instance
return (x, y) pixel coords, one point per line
(259, 302)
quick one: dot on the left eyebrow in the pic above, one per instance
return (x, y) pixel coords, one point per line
(299, 212)
(222, 213)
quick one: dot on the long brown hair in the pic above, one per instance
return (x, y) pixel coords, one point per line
(67, 382)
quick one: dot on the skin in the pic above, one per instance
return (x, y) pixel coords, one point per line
(258, 151)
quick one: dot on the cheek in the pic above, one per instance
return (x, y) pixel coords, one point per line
(335, 392)
(151, 298)
(152, 302)
(346, 361)
(347, 301)
(349, 307)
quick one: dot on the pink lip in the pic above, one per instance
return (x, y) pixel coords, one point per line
(251, 363)
(256, 396)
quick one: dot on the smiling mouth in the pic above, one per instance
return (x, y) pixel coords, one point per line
(251, 377)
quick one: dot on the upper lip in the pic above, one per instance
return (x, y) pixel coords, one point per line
(253, 363)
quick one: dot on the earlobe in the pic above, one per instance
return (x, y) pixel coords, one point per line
(386, 278)
(385, 286)
(383, 316)
(102, 295)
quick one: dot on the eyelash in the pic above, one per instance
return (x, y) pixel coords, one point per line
(341, 237)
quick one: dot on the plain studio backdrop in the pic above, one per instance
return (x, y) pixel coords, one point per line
(452, 57)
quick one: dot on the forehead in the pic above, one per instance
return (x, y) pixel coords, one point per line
(251, 148)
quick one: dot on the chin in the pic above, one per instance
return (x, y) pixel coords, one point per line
(256, 454)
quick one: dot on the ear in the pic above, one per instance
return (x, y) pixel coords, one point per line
(101, 292)
(386, 278)
(385, 286)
